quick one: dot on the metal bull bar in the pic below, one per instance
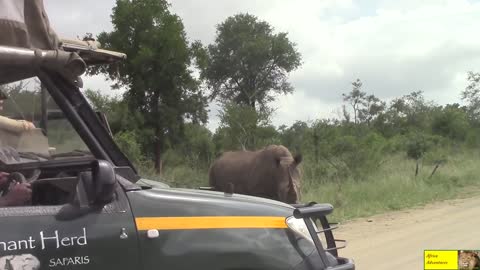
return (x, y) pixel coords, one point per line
(313, 211)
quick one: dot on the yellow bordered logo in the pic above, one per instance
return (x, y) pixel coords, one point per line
(451, 259)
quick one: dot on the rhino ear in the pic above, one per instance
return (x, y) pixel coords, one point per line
(298, 158)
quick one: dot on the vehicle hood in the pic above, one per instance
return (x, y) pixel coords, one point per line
(180, 202)
(151, 183)
(236, 196)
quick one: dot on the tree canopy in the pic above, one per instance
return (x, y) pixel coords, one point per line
(248, 63)
(157, 73)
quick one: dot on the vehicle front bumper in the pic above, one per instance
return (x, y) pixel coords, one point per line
(314, 262)
(323, 258)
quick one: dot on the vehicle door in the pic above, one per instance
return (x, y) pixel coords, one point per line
(57, 237)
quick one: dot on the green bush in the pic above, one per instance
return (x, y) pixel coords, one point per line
(129, 144)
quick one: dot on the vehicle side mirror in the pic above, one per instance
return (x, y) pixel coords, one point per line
(104, 181)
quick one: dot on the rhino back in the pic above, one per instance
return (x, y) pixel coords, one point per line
(232, 167)
(251, 172)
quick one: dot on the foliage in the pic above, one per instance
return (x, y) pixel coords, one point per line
(242, 126)
(451, 122)
(197, 147)
(159, 83)
(355, 99)
(129, 143)
(248, 63)
(297, 137)
(471, 94)
(417, 145)
(405, 114)
(365, 107)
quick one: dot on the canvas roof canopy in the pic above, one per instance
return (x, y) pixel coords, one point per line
(24, 23)
(28, 42)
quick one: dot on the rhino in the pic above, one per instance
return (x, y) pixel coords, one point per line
(271, 172)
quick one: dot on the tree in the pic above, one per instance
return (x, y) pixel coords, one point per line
(407, 113)
(248, 64)
(365, 107)
(356, 99)
(197, 146)
(323, 134)
(373, 108)
(451, 122)
(156, 74)
(296, 136)
(240, 126)
(416, 146)
(471, 94)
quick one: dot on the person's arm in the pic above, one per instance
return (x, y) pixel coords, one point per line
(19, 194)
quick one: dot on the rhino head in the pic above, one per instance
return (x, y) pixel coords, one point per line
(289, 179)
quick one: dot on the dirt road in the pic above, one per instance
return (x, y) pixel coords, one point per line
(397, 240)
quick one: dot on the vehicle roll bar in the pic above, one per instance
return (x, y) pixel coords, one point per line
(52, 59)
(313, 211)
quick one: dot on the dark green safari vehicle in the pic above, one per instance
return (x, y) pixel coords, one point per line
(89, 208)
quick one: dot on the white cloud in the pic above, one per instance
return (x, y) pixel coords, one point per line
(299, 107)
(394, 50)
(75, 18)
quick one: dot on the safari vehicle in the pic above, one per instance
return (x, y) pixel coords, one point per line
(90, 209)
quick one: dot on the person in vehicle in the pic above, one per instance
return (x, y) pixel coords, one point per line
(18, 194)
(20, 124)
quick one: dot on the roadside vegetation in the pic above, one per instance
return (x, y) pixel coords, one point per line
(376, 155)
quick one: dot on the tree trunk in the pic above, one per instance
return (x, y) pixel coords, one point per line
(416, 170)
(158, 134)
(251, 139)
(158, 156)
(253, 104)
(355, 113)
(434, 170)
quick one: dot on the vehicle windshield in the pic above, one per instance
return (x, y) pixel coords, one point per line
(32, 125)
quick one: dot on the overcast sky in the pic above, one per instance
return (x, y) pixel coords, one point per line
(394, 47)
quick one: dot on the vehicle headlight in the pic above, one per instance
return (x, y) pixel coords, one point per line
(298, 225)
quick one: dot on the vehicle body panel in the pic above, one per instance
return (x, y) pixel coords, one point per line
(221, 246)
(92, 241)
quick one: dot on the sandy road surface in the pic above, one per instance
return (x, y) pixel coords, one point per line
(397, 240)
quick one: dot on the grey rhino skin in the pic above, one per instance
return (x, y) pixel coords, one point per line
(271, 172)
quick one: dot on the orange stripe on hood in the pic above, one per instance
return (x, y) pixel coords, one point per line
(209, 222)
